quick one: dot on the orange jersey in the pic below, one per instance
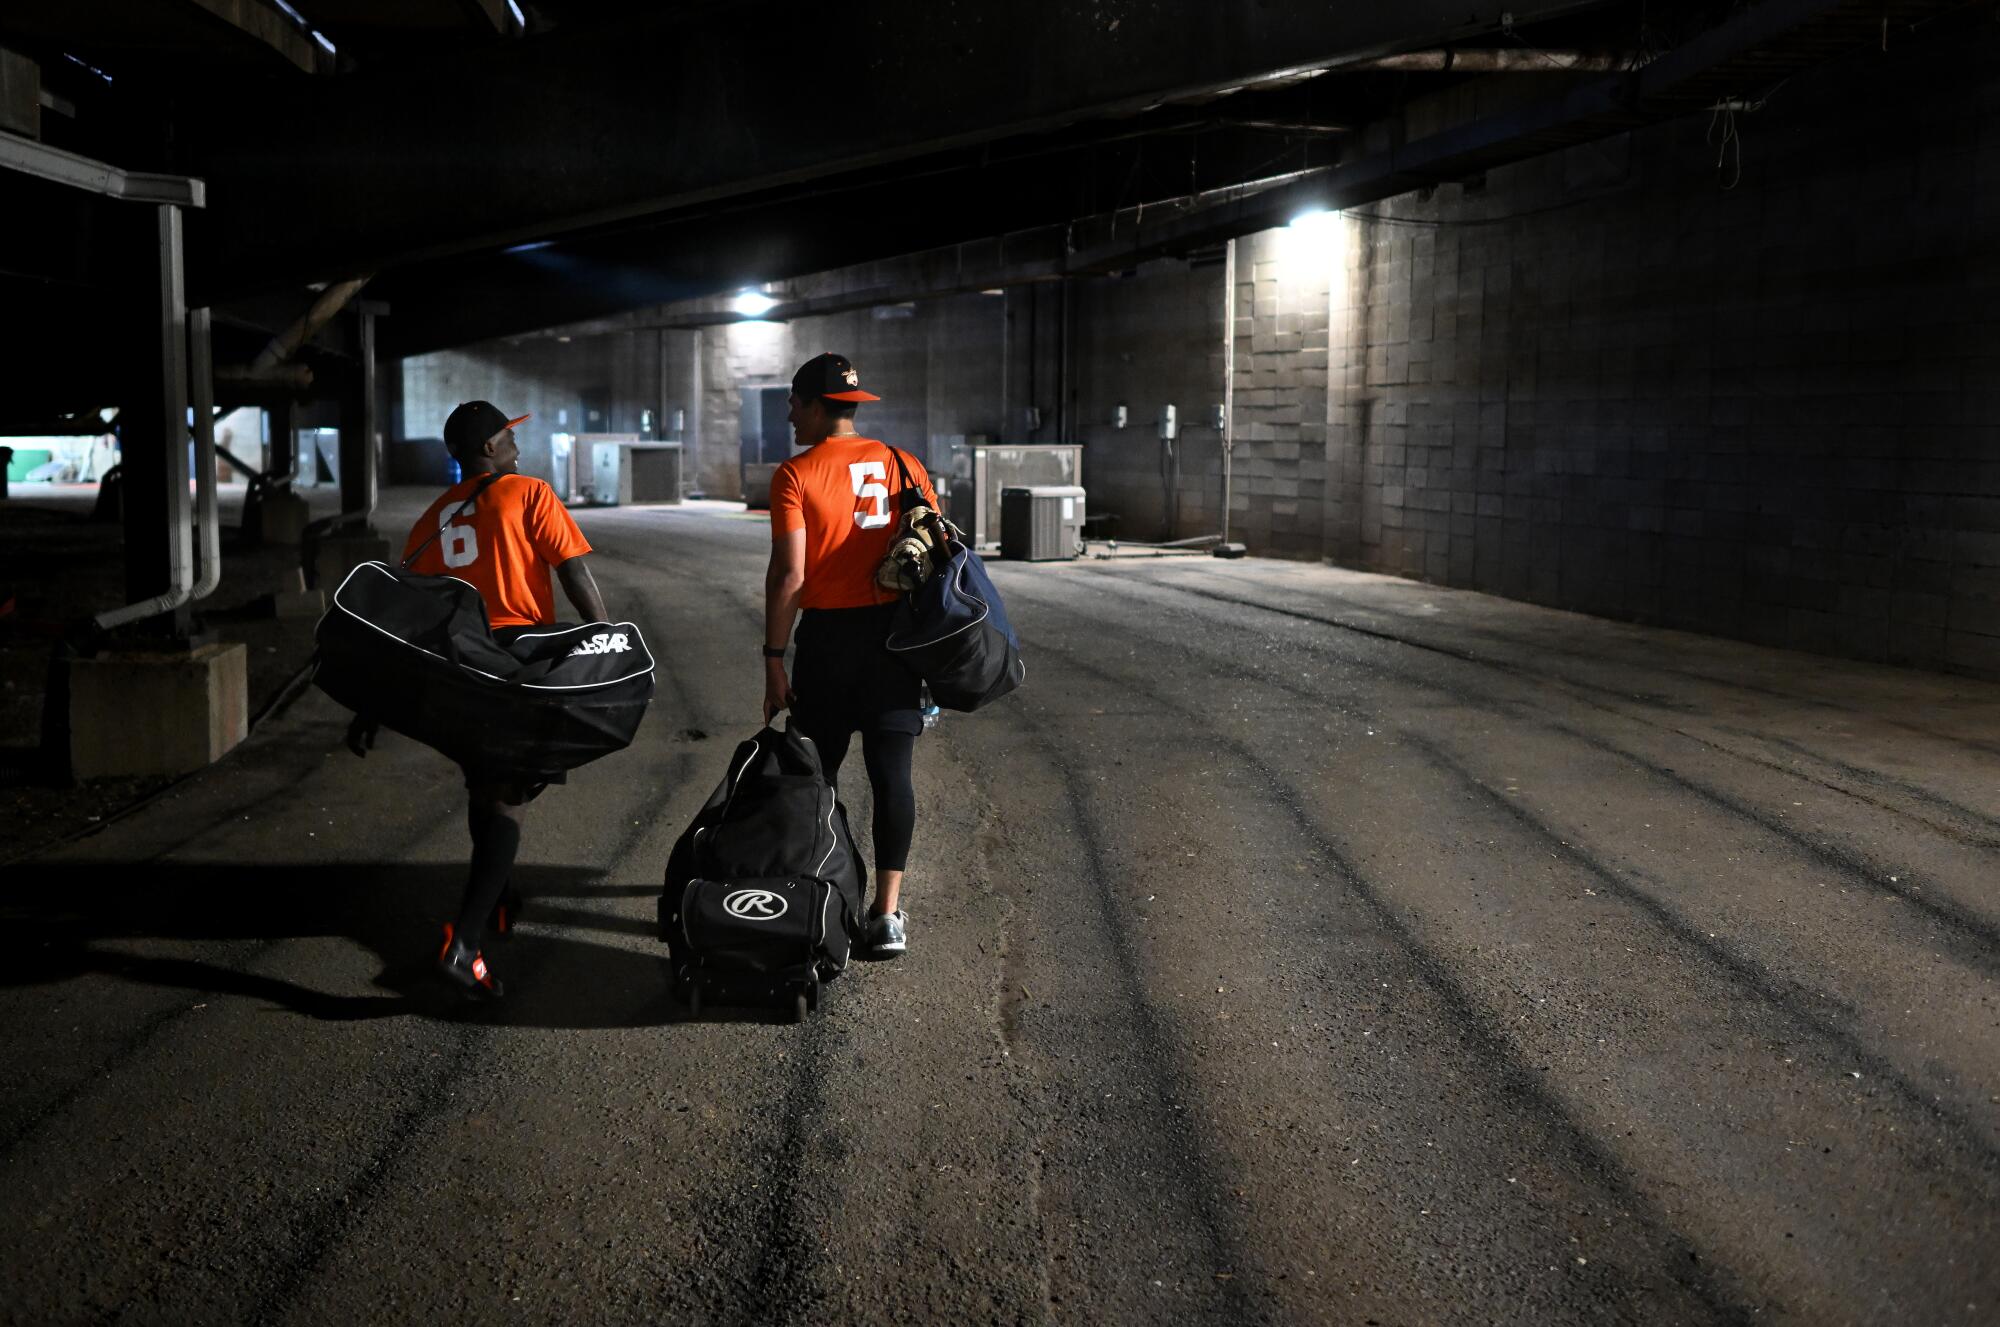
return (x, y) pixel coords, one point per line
(503, 547)
(846, 494)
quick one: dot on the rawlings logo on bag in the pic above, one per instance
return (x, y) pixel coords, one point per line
(604, 642)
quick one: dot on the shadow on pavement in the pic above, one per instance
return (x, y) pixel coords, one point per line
(62, 923)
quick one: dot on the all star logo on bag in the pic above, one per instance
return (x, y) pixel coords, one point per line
(754, 905)
(604, 642)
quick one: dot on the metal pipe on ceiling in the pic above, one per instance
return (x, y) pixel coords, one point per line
(303, 330)
(1509, 60)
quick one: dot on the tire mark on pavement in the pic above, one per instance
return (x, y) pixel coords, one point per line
(1481, 1033)
(1706, 679)
(1524, 671)
(1945, 806)
(1973, 939)
(1172, 1079)
(1787, 999)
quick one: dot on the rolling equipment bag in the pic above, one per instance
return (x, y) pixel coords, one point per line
(762, 901)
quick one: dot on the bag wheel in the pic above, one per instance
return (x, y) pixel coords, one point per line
(801, 1004)
(694, 998)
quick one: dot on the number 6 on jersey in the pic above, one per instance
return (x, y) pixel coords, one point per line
(460, 542)
(859, 474)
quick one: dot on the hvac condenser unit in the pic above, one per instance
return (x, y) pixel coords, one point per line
(1042, 523)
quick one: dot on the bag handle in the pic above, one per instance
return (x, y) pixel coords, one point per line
(913, 497)
(471, 498)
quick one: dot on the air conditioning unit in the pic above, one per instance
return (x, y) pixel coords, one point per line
(1043, 523)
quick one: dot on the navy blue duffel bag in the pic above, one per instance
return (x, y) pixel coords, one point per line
(952, 630)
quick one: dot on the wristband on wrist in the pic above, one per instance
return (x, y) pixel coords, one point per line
(774, 651)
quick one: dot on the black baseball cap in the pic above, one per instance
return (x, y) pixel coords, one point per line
(473, 423)
(831, 376)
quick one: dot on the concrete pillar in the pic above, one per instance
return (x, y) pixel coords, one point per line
(283, 459)
(164, 713)
(358, 424)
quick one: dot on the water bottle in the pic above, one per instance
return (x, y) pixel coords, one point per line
(927, 706)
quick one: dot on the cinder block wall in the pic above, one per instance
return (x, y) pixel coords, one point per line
(1622, 381)
(1144, 341)
(539, 376)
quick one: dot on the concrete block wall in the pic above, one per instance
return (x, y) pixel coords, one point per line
(1282, 316)
(937, 365)
(1144, 341)
(541, 376)
(1156, 336)
(1620, 381)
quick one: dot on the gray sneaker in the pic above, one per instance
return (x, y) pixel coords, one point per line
(888, 933)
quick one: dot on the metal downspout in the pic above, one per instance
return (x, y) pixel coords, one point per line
(201, 395)
(1228, 380)
(172, 312)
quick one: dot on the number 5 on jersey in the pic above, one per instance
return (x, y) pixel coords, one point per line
(460, 542)
(859, 474)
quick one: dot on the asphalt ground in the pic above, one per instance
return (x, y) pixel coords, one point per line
(1297, 946)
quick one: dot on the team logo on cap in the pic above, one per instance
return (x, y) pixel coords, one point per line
(853, 378)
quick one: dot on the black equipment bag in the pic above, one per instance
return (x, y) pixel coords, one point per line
(952, 630)
(764, 890)
(414, 653)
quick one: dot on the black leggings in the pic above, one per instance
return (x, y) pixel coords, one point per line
(887, 757)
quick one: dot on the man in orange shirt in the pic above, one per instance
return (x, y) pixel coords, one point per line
(503, 545)
(834, 511)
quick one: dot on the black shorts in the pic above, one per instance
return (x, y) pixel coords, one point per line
(845, 679)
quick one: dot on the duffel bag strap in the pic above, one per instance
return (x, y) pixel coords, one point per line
(471, 500)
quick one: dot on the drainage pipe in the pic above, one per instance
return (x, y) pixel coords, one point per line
(1510, 60)
(286, 343)
(174, 329)
(207, 518)
(1228, 379)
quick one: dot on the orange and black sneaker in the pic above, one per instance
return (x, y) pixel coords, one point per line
(465, 967)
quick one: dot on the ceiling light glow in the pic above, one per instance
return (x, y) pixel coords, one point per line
(753, 304)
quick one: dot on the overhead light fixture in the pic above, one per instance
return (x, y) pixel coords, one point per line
(520, 19)
(753, 304)
(1317, 218)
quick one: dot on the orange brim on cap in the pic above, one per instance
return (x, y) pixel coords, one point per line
(522, 420)
(852, 396)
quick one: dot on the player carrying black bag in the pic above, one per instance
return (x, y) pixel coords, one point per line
(416, 651)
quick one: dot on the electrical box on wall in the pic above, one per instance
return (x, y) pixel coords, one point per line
(1218, 418)
(1169, 423)
(1119, 416)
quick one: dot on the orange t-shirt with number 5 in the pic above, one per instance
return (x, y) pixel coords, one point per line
(846, 494)
(503, 547)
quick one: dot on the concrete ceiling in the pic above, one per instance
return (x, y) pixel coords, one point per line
(609, 155)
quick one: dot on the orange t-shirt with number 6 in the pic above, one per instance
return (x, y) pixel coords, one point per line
(503, 547)
(846, 494)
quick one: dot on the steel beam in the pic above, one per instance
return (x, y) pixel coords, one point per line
(670, 107)
(1759, 47)
(29, 157)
